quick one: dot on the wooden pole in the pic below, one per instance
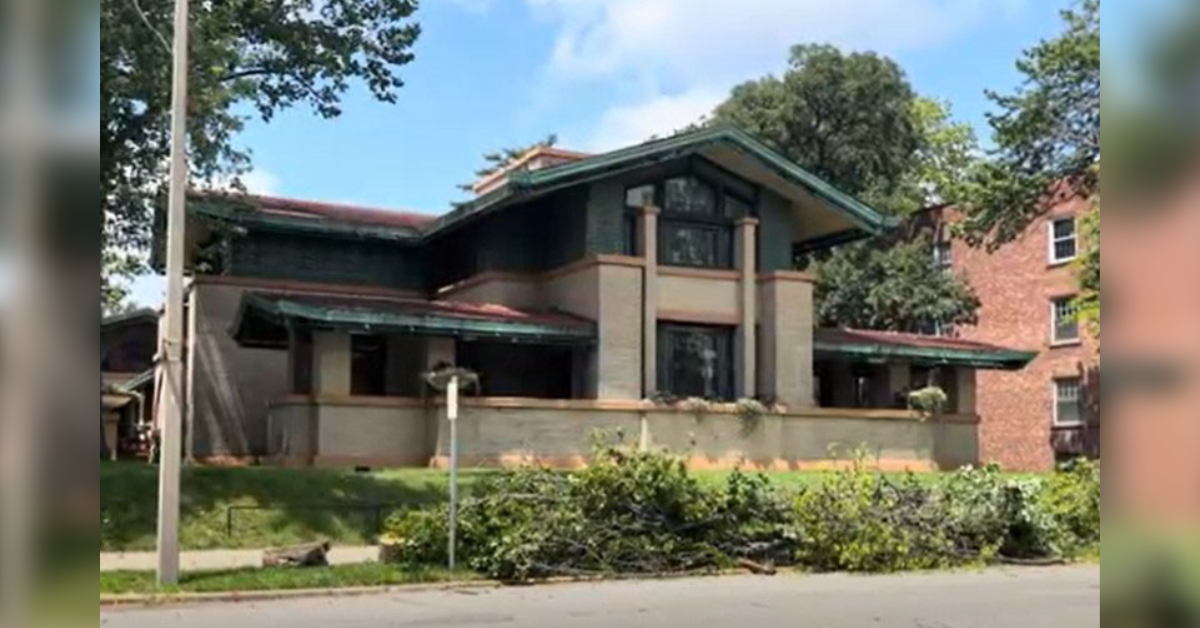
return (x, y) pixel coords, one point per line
(169, 350)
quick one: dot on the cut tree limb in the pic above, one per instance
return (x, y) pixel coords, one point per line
(308, 555)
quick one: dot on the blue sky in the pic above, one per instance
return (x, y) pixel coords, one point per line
(606, 73)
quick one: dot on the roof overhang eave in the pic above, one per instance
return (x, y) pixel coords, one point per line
(1000, 359)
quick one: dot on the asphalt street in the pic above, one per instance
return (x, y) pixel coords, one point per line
(1054, 597)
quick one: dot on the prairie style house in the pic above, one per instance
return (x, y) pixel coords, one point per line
(584, 289)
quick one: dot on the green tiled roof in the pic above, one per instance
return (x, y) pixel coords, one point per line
(525, 184)
(882, 346)
(263, 319)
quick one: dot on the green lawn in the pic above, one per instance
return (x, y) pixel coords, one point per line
(290, 505)
(252, 579)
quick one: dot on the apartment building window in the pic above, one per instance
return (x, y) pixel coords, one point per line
(1064, 324)
(1068, 409)
(1062, 240)
(696, 361)
(943, 254)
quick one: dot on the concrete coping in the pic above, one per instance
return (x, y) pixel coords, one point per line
(499, 275)
(617, 405)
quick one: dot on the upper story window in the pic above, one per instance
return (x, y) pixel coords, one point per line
(689, 196)
(1064, 324)
(1068, 409)
(695, 226)
(1062, 240)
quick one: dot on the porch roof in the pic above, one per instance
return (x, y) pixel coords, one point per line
(886, 346)
(263, 319)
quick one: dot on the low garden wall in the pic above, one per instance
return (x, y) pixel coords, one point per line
(561, 433)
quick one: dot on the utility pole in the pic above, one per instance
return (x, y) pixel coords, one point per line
(452, 418)
(170, 342)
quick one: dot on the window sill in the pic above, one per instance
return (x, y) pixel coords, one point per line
(1060, 263)
(1058, 344)
(1068, 426)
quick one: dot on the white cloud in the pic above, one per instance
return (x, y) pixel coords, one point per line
(666, 57)
(256, 181)
(260, 181)
(660, 115)
(697, 39)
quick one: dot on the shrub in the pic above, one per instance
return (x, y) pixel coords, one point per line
(641, 512)
(750, 411)
(629, 512)
(929, 401)
(988, 514)
(416, 537)
(858, 520)
(1072, 498)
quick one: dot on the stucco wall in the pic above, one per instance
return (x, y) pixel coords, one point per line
(384, 434)
(785, 343)
(703, 297)
(232, 383)
(404, 432)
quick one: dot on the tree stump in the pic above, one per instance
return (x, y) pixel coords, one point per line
(309, 555)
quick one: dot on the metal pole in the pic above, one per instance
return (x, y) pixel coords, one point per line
(452, 418)
(169, 409)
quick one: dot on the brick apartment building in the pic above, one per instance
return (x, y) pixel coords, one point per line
(1031, 417)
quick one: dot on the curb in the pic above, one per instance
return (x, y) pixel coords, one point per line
(143, 600)
(163, 599)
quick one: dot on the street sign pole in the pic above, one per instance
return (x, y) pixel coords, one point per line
(452, 418)
(170, 348)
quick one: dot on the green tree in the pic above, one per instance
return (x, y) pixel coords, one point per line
(854, 120)
(1047, 134)
(267, 54)
(847, 117)
(1088, 268)
(896, 288)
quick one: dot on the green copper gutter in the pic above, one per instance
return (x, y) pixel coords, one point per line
(252, 217)
(1003, 359)
(281, 313)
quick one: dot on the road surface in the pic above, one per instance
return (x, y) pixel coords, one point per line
(1056, 597)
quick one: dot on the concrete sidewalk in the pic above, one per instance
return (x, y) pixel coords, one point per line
(224, 559)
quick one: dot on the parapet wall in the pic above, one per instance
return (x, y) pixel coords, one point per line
(561, 433)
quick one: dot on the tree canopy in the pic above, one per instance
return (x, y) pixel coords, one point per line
(854, 120)
(896, 288)
(846, 117)
(268, 54)
(1047, 134)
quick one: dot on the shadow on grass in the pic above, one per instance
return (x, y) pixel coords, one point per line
(274, 506)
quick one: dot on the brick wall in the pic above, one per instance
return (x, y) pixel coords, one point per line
(1015, 285)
